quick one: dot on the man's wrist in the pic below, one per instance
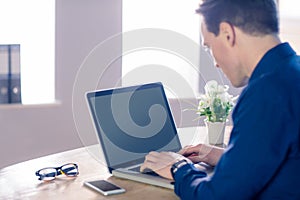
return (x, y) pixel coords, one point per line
(178, 165)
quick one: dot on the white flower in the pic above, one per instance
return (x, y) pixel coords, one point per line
(211, 87)
(204, 101)
(216, 103)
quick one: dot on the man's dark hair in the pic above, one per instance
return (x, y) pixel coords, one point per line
(254, 17)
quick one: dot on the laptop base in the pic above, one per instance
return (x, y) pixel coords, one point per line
(143, 178)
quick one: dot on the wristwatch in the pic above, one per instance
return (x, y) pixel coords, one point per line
(177, 165)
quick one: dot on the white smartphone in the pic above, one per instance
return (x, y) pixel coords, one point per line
(104, 187)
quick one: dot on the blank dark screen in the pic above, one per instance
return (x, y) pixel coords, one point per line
(104, 185)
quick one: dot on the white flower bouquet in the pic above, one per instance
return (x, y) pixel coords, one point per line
(216, 103)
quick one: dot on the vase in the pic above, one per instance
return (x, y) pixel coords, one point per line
(215, 131)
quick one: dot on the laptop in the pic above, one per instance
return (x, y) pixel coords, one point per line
(131, 122)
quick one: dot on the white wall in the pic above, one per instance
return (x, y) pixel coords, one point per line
(28, 132)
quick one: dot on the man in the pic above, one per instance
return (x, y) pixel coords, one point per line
(262, 160)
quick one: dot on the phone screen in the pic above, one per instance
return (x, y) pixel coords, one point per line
(105, 187)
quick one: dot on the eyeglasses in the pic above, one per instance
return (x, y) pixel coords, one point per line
(49, 173)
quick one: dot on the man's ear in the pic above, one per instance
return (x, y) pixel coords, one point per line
(227, 33)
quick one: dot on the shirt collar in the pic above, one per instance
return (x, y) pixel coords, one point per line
(271, 60)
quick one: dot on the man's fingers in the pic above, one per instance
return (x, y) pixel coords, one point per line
(154, 166)
(150, 160)
(146, 165)
(195, 159)
(184, 149)
(191, 151)
(152, 156)
(157, 161)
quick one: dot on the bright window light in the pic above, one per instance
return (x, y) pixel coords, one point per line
(31, 24)
(175, 15)
(289, 22)
(289, 8)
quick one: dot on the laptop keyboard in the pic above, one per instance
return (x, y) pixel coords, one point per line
(135, 169)
(148, 171)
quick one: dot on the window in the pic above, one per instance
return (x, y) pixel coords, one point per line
(289, 8)
(172, 18)
(289, 22)
(31, 24)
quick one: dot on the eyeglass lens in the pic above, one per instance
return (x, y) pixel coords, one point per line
(69, 170)
(47, 174)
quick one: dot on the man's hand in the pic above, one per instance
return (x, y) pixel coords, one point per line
(202, 153)
(161, 163)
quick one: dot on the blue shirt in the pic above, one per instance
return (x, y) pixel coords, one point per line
(262, 160)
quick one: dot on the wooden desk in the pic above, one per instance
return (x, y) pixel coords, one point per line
(19, 181)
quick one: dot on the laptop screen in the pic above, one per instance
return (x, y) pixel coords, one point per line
(131, 122)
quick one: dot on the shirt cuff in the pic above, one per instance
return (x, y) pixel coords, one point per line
(184, 177)
(185, 170)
